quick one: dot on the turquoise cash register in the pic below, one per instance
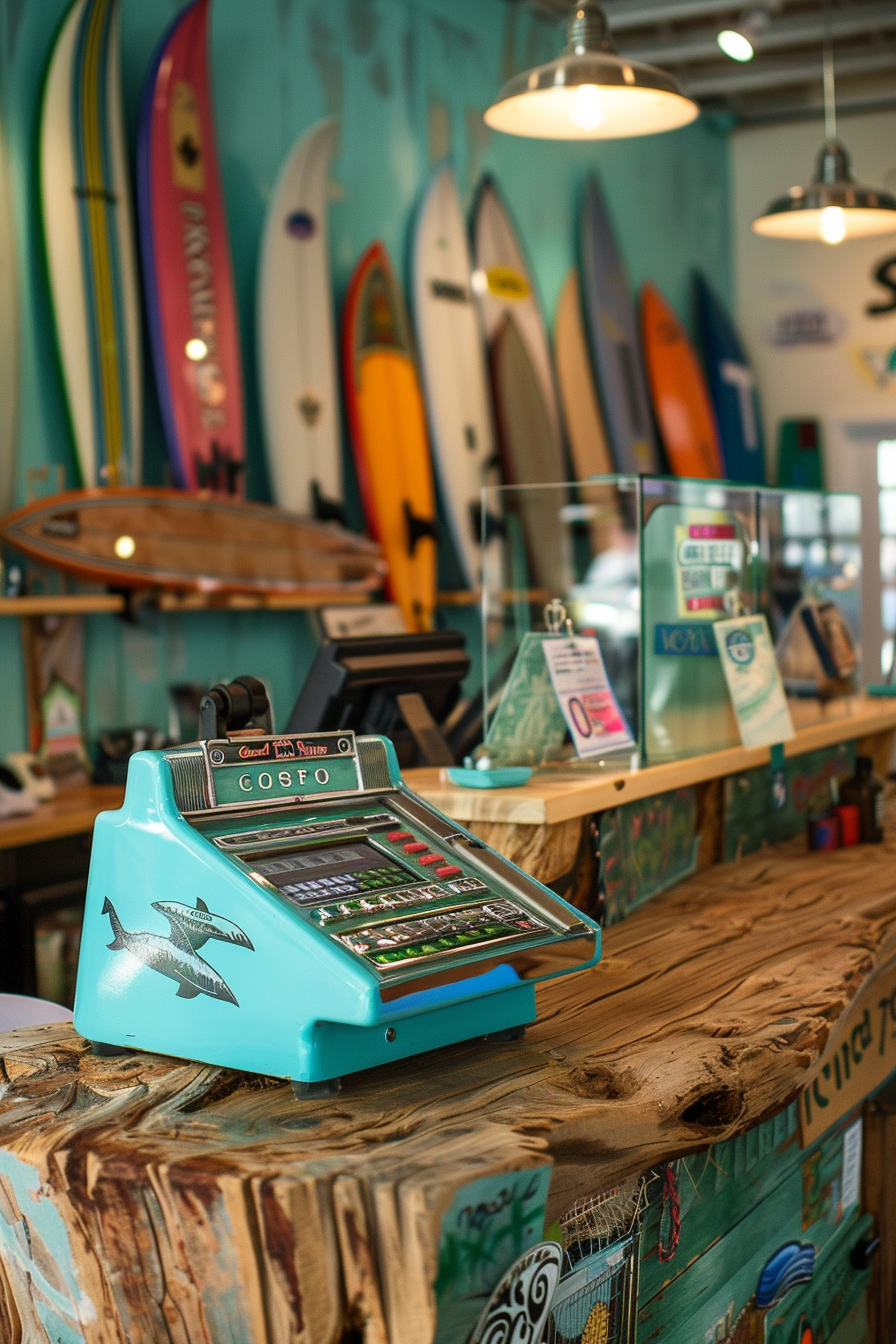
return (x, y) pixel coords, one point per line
(284, 904)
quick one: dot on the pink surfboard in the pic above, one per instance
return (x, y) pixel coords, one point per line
(186, 264)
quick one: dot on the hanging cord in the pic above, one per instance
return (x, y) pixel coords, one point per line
(830, 99)
(670, 1217)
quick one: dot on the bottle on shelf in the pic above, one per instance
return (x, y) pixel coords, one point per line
(867, 792)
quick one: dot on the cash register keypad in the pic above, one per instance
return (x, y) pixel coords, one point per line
(426, 935)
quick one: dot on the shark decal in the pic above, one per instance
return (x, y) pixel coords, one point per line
(176, 956)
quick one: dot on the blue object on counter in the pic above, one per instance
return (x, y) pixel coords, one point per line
(506, 777)
(881, 689)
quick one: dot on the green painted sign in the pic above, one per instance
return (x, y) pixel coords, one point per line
(262, 770)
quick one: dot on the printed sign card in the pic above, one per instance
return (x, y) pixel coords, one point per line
(595, 721)
(754, 682)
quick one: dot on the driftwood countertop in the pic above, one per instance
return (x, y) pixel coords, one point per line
(146, 1199)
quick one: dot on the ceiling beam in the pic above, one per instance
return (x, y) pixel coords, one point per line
(784, 31)
(731, 82)
(623, 14)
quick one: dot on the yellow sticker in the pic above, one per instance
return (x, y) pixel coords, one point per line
(597, 1326)
(185, 135)
(506, 283)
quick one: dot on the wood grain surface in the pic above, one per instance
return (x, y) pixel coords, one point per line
(192, 1204)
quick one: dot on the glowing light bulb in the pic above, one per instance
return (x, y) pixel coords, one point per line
(196, 348)
(735, 44)
(832, 225)
(587, 111)
(124, 547)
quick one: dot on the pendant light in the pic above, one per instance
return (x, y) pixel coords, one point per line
(833, 207)
(590, 92)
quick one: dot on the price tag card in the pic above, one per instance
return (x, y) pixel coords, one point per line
(595, 721)
(754, 682)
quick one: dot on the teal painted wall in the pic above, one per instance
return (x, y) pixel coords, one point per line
(410, 79)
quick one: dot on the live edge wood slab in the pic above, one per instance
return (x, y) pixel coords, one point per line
(145, 1199)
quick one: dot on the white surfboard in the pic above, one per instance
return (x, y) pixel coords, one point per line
(9, 337)
(89, 239)
(504, 287)
(296, 350)
(453, 369)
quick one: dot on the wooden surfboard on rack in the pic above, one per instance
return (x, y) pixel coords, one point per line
(88, 236)
(186, 264)
(732, 388)
(296, 341)
(135, 538)
(9, 335)
(680, 397)
(387, 422)
(582, 414)
(613, 336)
(454, 371)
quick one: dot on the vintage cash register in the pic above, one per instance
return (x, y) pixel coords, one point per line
(284, 904)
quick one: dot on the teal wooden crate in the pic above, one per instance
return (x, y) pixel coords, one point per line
(750, 819)
(834, 1305)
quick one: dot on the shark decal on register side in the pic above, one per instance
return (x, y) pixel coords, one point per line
(176, 956)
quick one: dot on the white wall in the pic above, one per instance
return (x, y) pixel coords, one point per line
(845, 381)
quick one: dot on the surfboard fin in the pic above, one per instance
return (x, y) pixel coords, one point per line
(486, 526)
(418, 527)
(326, 510)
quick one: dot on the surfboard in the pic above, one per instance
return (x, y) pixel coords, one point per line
(453, 370)
(503, 285)
(9, 336)
(296, 340)
(387, 424)
(185, 253)
(527, 441)
(612, 328)
(139, 538)
(88, 237)
(582, 415)
(678, 388)
(732, 388)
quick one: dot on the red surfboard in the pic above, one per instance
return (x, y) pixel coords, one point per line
(186, 264)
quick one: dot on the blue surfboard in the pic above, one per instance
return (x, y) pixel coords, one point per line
(612, 326)
(732, 388)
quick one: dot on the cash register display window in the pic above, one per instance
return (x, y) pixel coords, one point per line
(335, 872)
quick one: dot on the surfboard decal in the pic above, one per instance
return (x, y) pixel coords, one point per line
(87, 231)
(185, 252)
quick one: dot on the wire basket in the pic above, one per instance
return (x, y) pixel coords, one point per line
(596, 1299)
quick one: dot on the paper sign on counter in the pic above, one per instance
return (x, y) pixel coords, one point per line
(595, 721)
(754, 682)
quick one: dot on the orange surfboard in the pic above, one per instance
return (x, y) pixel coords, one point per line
(387, 422)
(678, 389)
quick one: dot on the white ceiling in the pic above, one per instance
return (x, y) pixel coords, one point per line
(784, 80)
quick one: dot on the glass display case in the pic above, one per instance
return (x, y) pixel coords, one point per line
(647, 564)
(811, 557)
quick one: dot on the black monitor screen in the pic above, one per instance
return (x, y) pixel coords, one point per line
(335, 872)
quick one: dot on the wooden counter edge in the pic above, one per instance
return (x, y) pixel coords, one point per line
(547, 800)
(69, 813)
